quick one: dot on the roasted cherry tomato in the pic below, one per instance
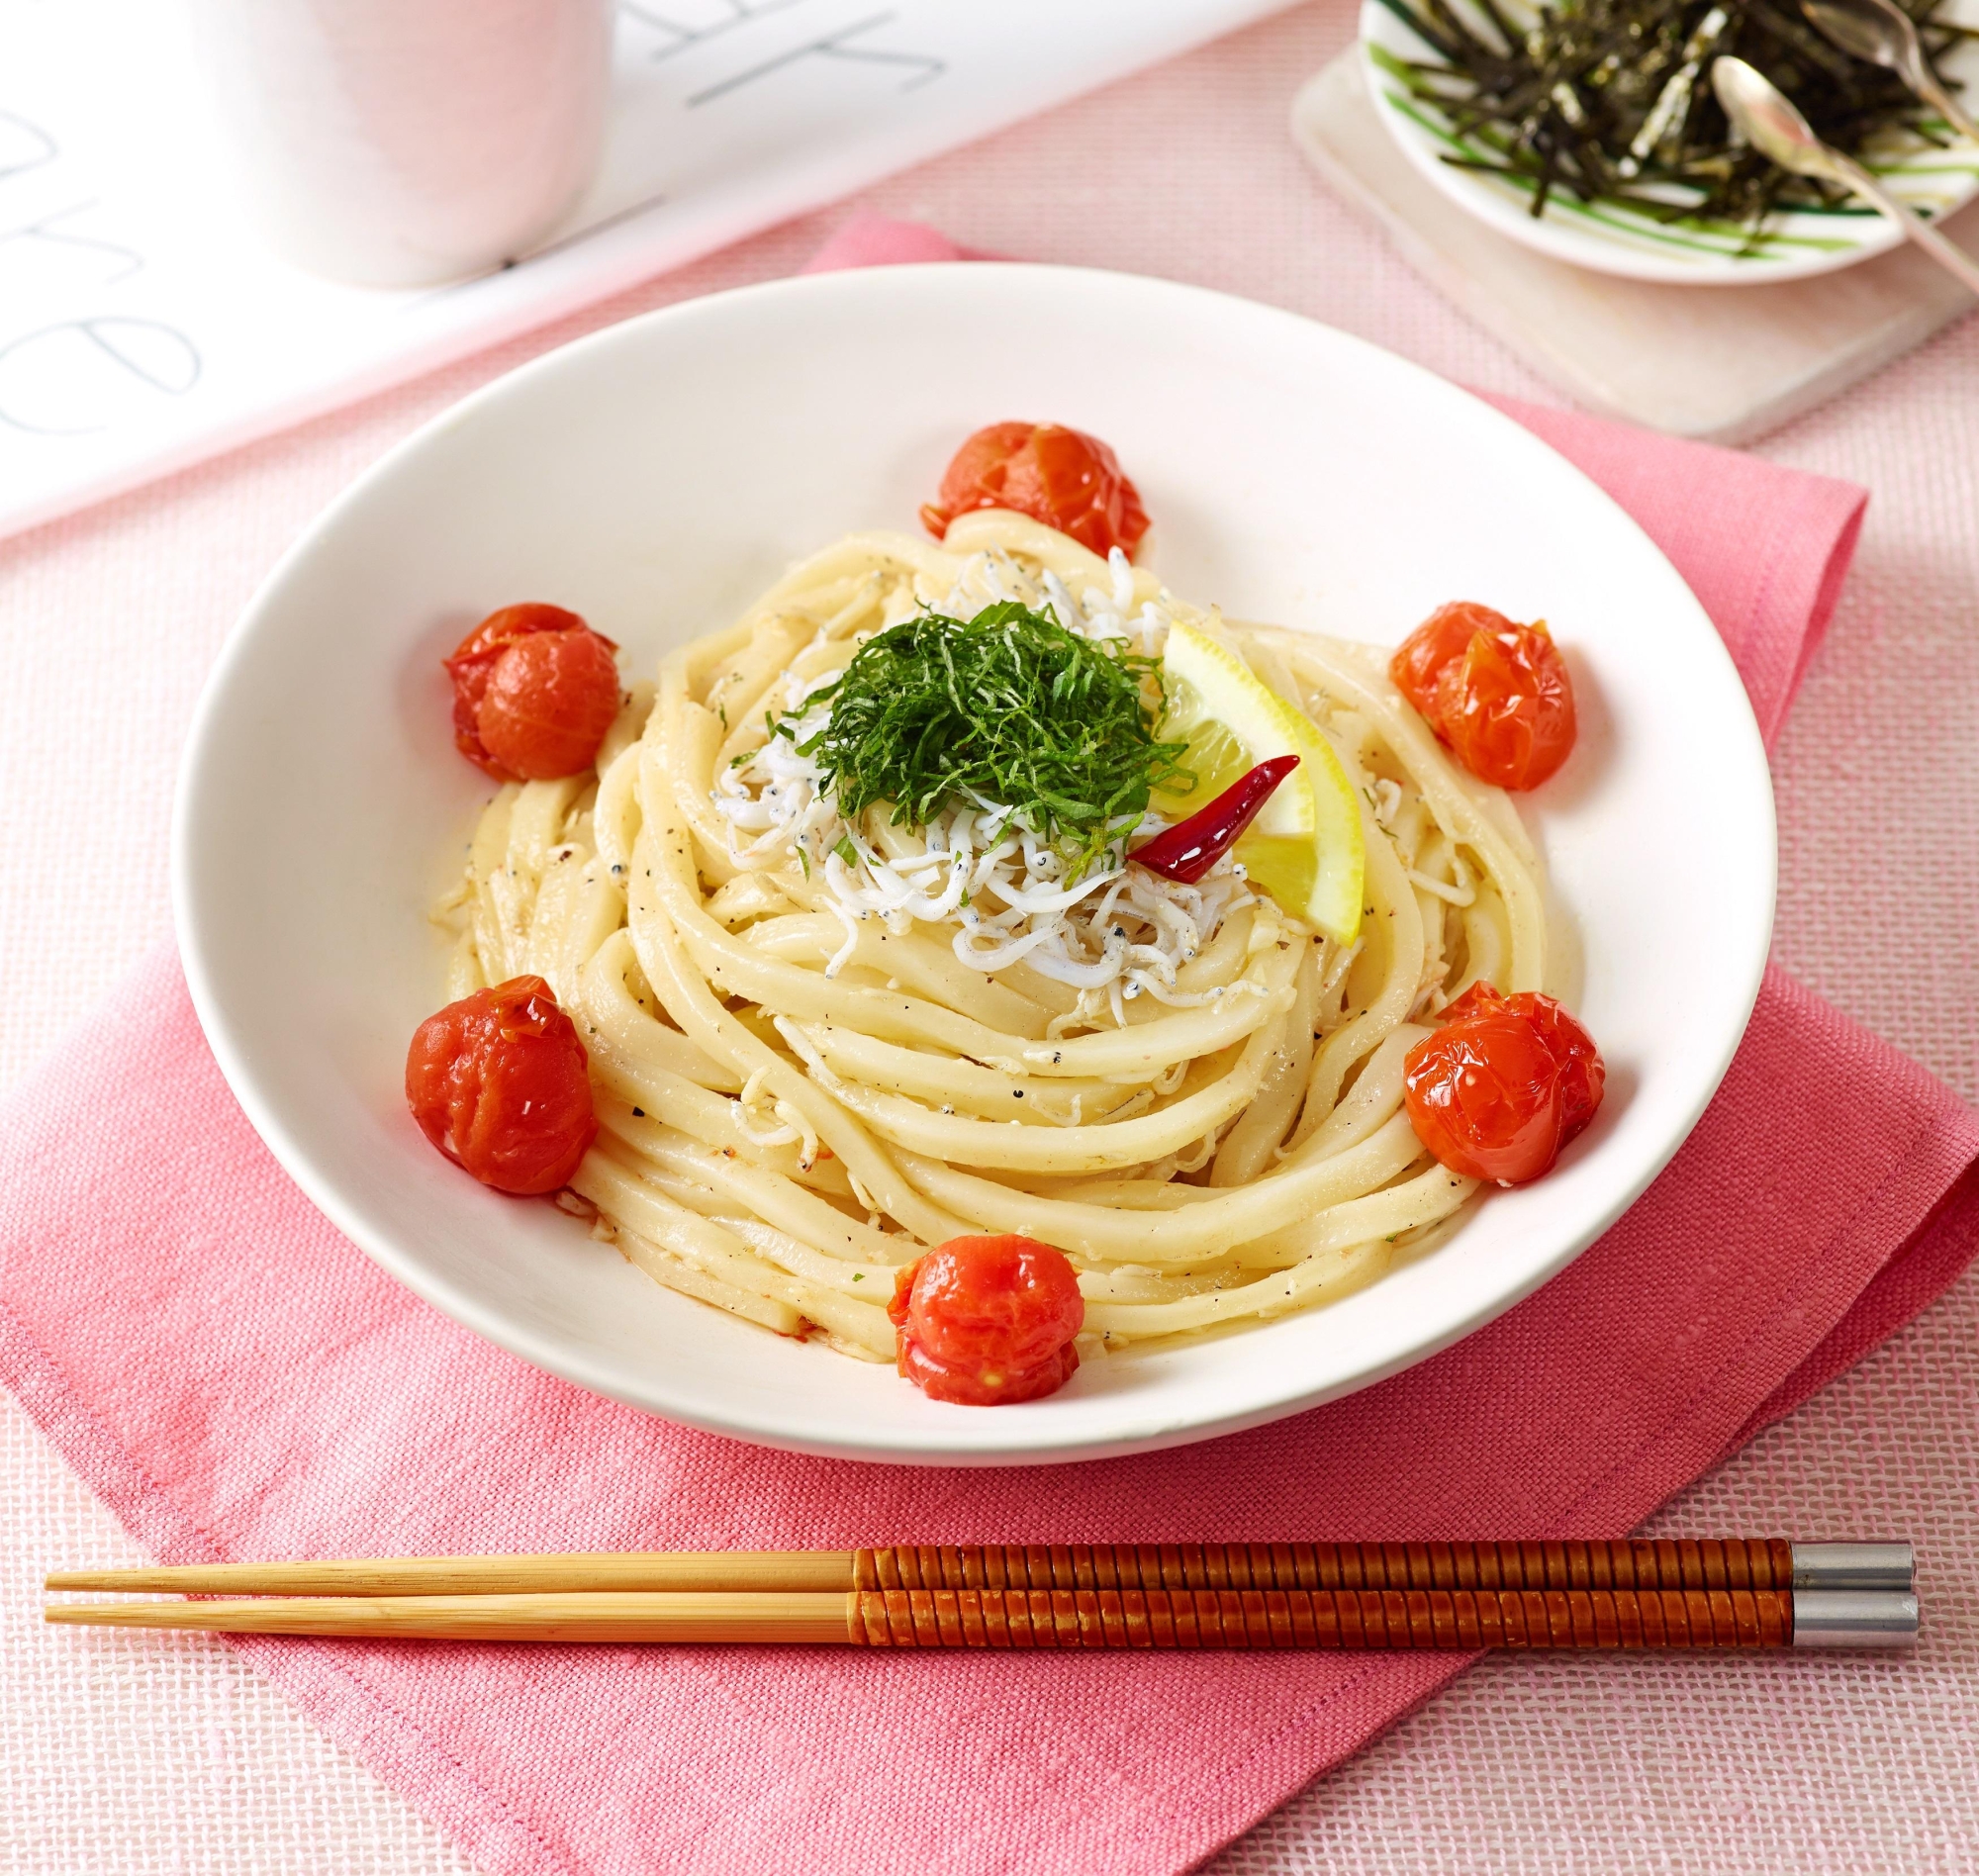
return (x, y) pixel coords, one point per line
(535, 690)
(1483, 1095)
(1498, 694)
(986, 1321)
(497, 1083)
(1503, 1086)
(1062, 477)
(1582, 1073)
(1480, 1000)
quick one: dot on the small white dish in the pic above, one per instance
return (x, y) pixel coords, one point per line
(654, 476)
(1611, 238)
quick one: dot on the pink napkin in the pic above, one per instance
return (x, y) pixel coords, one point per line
(235, 1381)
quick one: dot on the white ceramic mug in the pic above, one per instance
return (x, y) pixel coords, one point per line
(402, 143)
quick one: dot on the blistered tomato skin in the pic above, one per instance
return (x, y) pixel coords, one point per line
(549, 701)
(535, 690)
(1480, 1000)
(1583, 1076)
(472, 662)
(1456, 1123)
(505, 626)
(986, 1322)
(1483, 1095)
(1061, 477)
(1512, 720)
(497, 1081)
(1498, 694)
(993, 1388)
(1435, 647)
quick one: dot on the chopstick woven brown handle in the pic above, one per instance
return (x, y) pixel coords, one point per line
(1321, 1618)
(1665, 1564)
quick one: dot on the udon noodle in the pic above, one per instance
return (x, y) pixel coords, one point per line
(819, 1048)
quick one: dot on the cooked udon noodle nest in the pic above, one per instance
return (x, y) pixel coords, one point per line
(809, 1071)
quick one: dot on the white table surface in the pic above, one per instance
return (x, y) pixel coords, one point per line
(165, 1757)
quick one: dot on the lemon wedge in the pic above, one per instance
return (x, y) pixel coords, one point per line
(1304, 848)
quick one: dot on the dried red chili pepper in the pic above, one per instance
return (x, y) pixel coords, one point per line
(1190, 848)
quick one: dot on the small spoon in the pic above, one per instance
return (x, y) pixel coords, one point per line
(1775, 129)
(1881, 33)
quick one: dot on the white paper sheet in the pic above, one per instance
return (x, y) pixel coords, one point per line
(142, 327)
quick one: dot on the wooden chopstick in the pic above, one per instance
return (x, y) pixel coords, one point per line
(1623, 1563)
(1011, 1619)
(578, 1570)
(1061, 1620)
(571, 1616)
(1706, 1593)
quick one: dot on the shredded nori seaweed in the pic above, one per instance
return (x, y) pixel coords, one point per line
(1611, 100)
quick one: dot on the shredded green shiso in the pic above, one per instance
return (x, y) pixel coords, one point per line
(1007, 708)
(1610, 100)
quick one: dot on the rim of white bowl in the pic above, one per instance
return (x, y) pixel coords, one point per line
(1043, 1445)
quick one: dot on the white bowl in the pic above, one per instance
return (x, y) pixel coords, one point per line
(655, 476)
(1613, 240)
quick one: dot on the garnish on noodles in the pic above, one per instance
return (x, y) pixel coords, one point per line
(497, 1083)
(1064, 478)
(1007, 708)
(987, 1322)
(535, 690)
(1497, 694)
